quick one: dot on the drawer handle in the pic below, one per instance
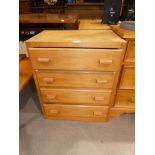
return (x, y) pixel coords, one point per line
(54, 111)
(51, 97)
(43, 60)
(105, 61)
(101, 81)
(132, 99)
(99, 98)
(98, 113)
(48, 79)
(76, 41)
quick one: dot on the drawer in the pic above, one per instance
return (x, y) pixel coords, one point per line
(125, 98)
(127, 80)
(76, 59)
(79, 111)
(75, 96)
(130, 52)
(76, 79)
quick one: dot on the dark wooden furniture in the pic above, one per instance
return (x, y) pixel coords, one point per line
(39, 6)
(86, 10)
(25, 6)
(40, 18)
(32, 24)
(90, 9)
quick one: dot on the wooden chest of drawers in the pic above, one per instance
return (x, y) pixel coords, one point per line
(125, 96)
(76, 72)
(92, 24)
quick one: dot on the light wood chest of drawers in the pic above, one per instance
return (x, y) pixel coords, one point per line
(92, 24)
(125, 96)
(76, 72)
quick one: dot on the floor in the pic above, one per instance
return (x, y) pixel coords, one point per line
(50, 137)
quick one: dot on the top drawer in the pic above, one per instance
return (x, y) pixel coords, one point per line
(76, 59)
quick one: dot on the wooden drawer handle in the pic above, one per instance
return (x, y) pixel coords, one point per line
(99, 98)
(54, 111)
(105, 61)
(48, 79)
(43, 60)
(101, 81)
(51, 97)
(98, 113)
(76, 41)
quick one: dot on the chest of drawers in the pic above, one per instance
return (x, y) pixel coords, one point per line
(76, 72)
(125, 96)
(92, 24)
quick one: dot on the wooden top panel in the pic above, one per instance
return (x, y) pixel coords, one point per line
(76, 38)
(47, 18)
(126, 34)
(89, 24)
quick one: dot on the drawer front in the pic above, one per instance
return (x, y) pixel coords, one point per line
(127, 78)
(75, 96)
(125, 98)
(76, 79)
(76, 59)
(130, 52)
(76, 111)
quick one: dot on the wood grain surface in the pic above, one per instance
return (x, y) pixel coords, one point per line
(76, 38)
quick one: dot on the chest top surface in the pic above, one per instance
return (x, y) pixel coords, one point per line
(76, 38)
(123, 33)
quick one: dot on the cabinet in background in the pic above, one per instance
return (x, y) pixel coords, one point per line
(125, 96)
